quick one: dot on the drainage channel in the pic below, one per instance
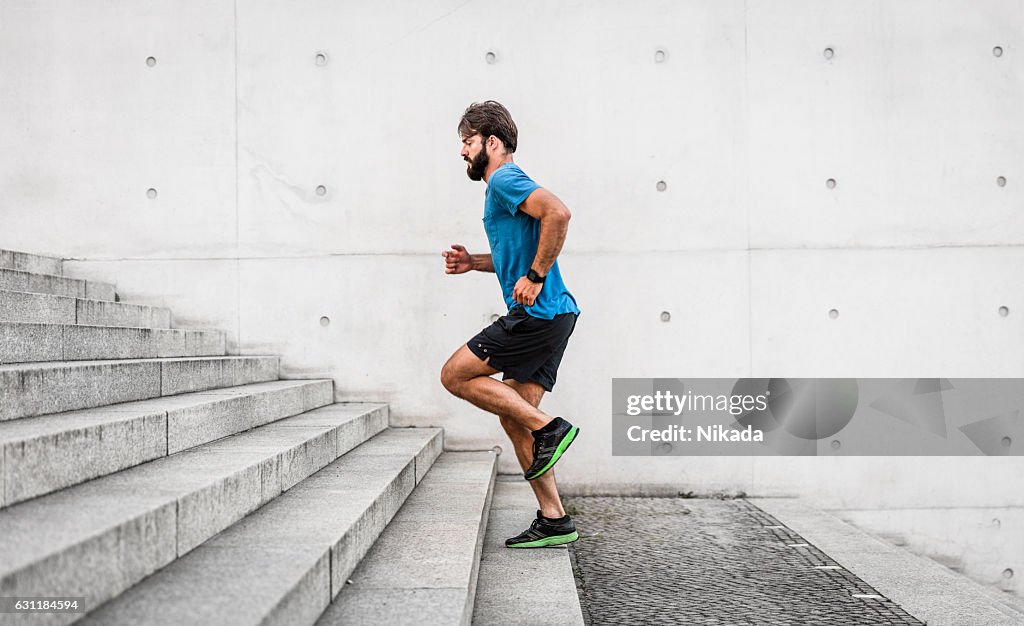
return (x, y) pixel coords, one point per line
(710, 561)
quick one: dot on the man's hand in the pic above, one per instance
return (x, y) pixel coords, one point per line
(457, 261)
(526, 291)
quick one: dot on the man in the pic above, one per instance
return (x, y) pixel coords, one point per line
(526, 226)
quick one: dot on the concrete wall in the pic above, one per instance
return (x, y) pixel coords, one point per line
(733, 105)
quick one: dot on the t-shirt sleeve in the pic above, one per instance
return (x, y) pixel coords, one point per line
(512, 187)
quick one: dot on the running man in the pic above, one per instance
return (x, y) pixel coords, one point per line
(526, 226)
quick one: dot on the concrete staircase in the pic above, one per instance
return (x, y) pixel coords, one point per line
(163, 481)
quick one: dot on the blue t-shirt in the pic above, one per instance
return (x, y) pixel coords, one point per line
(513, 236)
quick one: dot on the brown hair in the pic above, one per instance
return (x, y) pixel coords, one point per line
(489, 118)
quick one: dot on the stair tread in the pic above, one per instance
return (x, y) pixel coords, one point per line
(524, 586)
(105, 327)
(34, 529)
(11, 367)
(425, 562)
(54, 423)
(54, 295)
(10, 258)
(28, 281)
(58, 276)
(300, 536)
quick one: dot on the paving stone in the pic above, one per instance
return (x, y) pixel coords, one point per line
(709, 561)
(923, 587)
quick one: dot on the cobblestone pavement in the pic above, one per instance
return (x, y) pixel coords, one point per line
(709, 561)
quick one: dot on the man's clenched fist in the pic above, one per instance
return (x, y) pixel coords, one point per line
(457, 260)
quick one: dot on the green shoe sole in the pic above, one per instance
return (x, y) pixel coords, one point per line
(556, 540)
(562, 447)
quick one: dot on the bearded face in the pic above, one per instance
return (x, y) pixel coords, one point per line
(478, 164)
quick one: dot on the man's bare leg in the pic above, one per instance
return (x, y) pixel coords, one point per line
(469, 378)
(544, 488)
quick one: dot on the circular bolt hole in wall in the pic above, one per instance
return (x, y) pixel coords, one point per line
(494, 317)
(1001, 181)
(491, 57)
(321, 191)
(151, 61)
(660, 55)
(833, 313)
(997, 51)
(497, 450)
(830, 183)
(151, 194)
(321, 59)
(1003, 311)
(325, 321)
(666, 316)
(1006, 441)
(996, 523)
(1007, 573)
(661, 186)
(836, 444)
(829, 53)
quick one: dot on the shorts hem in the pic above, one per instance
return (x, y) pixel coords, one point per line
(484, 356)
(528, 379)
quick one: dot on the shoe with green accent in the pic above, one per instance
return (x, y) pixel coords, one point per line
(549, 443)
(544, 532)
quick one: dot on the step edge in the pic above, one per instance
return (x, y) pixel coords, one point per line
(124, 415)
(10, 367)
(328, 550)
(169, 500)
(470, 587)
(90, 300)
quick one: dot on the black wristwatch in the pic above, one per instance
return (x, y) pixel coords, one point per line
(534, 277)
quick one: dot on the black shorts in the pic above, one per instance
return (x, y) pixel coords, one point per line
(524, 347)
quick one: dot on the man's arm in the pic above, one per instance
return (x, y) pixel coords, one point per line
(554, 224)
(482, 262)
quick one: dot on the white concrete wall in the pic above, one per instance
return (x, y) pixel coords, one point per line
(236, 125)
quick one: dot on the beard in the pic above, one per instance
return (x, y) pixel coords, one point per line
(478, 166)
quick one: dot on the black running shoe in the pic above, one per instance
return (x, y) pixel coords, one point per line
(544, 532)
(548, 445)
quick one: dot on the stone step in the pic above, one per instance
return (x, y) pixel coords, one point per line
(14, 280)
(528, 587)
(423, 568)
(25, 262)
(97, 539)
(33, 343)
(38, 308)
(30, 389)
(284, 563)
(39, 455)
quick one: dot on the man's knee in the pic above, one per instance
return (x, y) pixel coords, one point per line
(450, 378)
